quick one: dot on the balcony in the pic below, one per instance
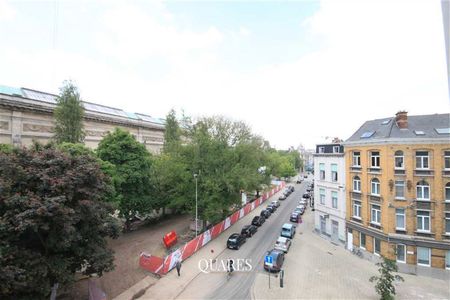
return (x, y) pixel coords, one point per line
(423, 204)
(374, 170)
(375, 198)
(356, 195)
(423, 172)
(375, 225)
(356, 169)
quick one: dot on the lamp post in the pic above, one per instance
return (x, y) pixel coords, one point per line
(196, 209)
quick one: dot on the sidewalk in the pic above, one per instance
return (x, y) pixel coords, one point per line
(317, 269)
(170, 285)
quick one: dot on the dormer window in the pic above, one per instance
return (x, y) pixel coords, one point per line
(335, 149)
(321, 149)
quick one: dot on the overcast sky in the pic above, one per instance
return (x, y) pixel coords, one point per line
(297, 71)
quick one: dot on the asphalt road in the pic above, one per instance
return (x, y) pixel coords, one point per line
(216, 285)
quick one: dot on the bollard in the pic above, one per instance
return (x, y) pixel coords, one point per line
(281, 278)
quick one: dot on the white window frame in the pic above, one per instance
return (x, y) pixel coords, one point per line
(429, 257)
(398, 186)
(334, 200)
(377, 159)
(375, 214)
(365, 241)
(335, 149)
(422, 222)
(404, 253)
(322, 171)
(402, 156)
(334, 173)
(447, 188)
(356, 158)
(423, 159)
(374, 247)
(357, 184)
(422, 187)
(404, 219)
(357, 209)
(375, 182)
(447, 159)
(446, 219)
(322, 199)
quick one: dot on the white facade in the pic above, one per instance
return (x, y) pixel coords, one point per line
(329, 213)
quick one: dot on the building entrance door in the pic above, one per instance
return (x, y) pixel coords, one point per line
(350, 241)
(335, 231)
(323, 225)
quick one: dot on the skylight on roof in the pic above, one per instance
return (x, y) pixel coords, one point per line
(419, 132)
(442, 130)
(367, 134)
(385, 122)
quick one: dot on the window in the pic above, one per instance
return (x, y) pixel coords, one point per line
(400, 219)
(334, 199)
(322, 196)
(375, 159)
(375, 214)
(447, 191)
(377, 246)
(357, 209)
(422, 160)
(423, 220)
(322, 171)
(423, 256)
(356, 159)
(375, 183)
(447, 159)
(321, 149)
(401, 253)
(335, 149)
(400, 189)
(356, 184)
(334, 173)
(447, 223)
(447, 260)
(362, 240)
(399, 160)
(423, 190)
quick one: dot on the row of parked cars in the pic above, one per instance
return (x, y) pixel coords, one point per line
(289, 190)
(236, 240)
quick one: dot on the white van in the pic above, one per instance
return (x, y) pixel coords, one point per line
(288, 230)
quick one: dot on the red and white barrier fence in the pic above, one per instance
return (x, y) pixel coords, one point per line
(161, 266)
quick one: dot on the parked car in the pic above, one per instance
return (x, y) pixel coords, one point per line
(235, 241)
(294, 217)
(258, 220)
(309, 190)
(306, 195)
(292, 188)
(266, 213)
(299, 181)
(306, 176)
(282, 197)
(282, 244)
(277, 260)
(299, 211)
(272, 208)
(288, 230)
(276, 203)
(249, 230)
(303, 202)
(287, 191)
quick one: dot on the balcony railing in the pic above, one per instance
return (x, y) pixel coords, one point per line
(446, 173)
(399, 171)
(376, 170)
(375, 198)
(355, 195)
(355, 168)
(423, 172)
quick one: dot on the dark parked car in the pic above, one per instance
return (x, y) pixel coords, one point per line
(294, 217)
(277, 260)
(306, 195)
(266, 213)
(298, 181)
(292, 188)
(271, 208)
(249, 230)
(258, 220)
(235, 241)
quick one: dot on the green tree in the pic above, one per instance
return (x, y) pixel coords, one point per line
(69, 114)
(53, 221)
(5, 148)
(172, 133)
(385, 282)
(133, 165)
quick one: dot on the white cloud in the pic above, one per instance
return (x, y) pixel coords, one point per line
(7, 13)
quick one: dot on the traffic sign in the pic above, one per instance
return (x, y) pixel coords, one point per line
(268, 260)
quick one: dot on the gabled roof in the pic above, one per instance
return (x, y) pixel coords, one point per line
(422, 127)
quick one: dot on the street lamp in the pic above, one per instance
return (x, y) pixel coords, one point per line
(196, 209)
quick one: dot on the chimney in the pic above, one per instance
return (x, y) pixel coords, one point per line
(402, 119)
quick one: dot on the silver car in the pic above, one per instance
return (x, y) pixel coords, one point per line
(283, 244)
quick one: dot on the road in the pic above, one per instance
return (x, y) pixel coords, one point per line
(216, 285)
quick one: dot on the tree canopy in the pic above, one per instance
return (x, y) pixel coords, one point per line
(68, 115)
(53, 221)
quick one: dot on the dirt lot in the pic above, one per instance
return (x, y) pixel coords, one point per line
(127, 249)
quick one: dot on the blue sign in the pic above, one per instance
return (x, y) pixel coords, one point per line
(268, 260)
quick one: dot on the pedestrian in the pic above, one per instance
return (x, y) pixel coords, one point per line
(178, 266)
